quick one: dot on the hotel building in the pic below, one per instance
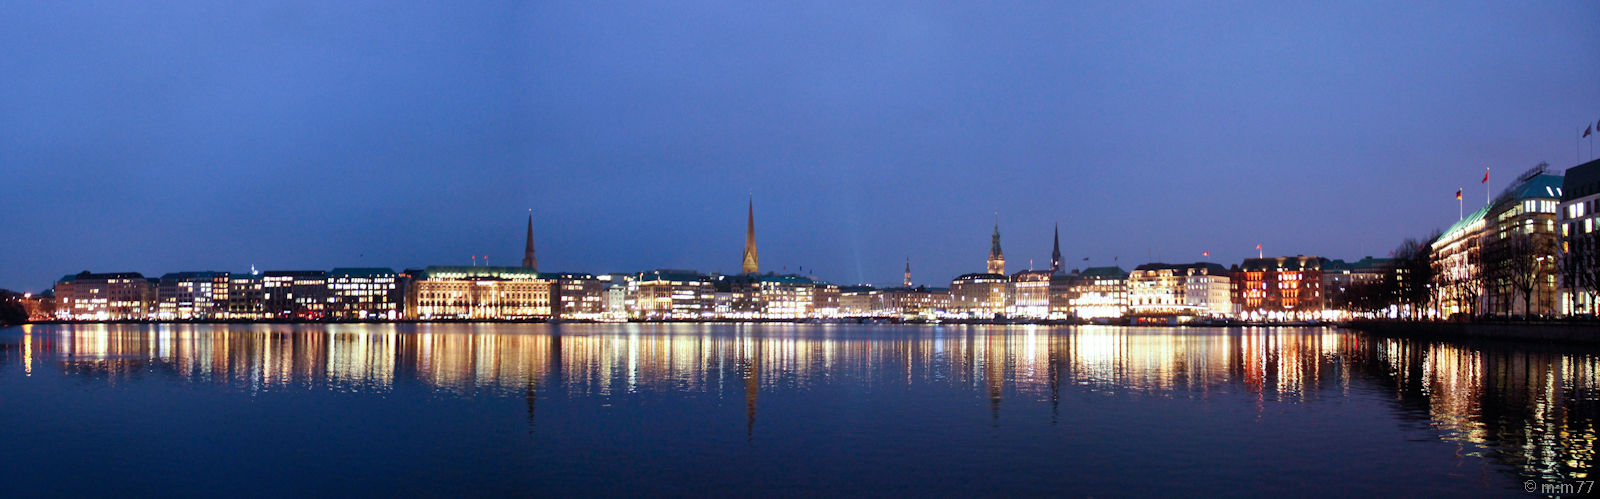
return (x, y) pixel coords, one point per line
(1279, 288)
(1096, 293)
(671, 294)
(1181, 292)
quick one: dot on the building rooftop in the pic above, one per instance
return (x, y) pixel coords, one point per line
(362, 272)
(1581, 181)
(1282, 264)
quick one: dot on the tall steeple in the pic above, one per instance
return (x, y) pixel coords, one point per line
(530, 260)
(1055, 256)
(908, 271)
(997, 259)
(751, 262)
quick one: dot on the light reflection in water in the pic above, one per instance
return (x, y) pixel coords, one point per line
(1532, 408)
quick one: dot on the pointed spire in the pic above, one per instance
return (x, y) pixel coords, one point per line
(529, 259)
(1055, 256)
(908, 271)
(751, 261)
(997, 258)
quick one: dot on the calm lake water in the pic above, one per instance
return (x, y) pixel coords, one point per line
(782, 410)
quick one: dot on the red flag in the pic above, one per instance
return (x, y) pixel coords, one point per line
(1458, 194)
(1258, 246)
(1485, 176)
(1208, 253)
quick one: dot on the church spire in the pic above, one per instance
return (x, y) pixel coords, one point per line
(997, 258)
(530, 260)
(908, 271)
(1055, 256)
(751, 262)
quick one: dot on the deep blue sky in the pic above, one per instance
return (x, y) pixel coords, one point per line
(166, 136)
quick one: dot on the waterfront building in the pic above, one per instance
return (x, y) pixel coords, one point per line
(1501, 260)
(577, 296)
(903, 302)
(1355, 287)
(672, 294)
(979, 295)
(491, 293)
(771, 296)
(825, 300)
(1279, 288)
(1578, 266)
(192, 296)
(1096, 293)
(1029, 294)
(294, 294)
(364, 294)
(615, 289)
(104, 297)
(860, 301)
(246, 297)
(1179, 292)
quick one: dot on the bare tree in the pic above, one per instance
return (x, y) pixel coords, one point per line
(1525, 262)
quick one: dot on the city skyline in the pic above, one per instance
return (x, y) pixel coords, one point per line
(290, 137)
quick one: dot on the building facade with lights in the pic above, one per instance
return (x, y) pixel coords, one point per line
(364, 294)
(1502, 259)
(491, 293)
(294, 294)
(671, 295)
(979, 296)
(1578, 265)
(1095, 293)
(1029, 294)
(1279, 288)
(113, 296)
(1180, 291)
(193, 296)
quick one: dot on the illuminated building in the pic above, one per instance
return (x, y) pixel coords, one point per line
(577, 296)
(921, 301)
(1279, 288)
(671, 294)
(1029, 294)
(1096, 293)
(1502, 258)
(192, 295)
(771, 296)
(825, 300)
(294, 294)
(1521, 245)
(1579, 263)
(979, 295)
(246, 297)
(615, 288)
(492, 293)
(364, 294)
(104, 297)
(1349, 287)
(1179, 292)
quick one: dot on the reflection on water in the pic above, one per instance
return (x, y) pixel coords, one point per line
(1529, 408)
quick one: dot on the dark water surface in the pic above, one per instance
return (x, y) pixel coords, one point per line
(782, 410)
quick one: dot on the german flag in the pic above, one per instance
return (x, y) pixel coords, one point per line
(1458, 194)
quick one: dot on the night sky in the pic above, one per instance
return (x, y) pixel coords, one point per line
(167, 136)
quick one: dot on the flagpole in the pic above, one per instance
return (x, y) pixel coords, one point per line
(1461, 211)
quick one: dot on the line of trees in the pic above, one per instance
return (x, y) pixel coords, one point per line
(12, 312)
(1580, 268)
